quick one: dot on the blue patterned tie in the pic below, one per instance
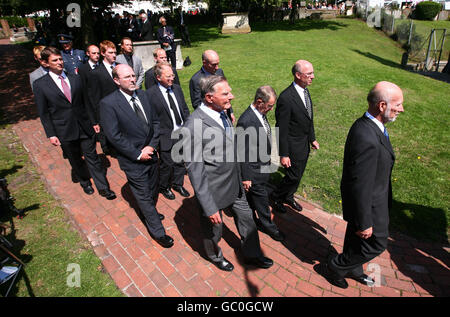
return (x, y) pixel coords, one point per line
(227, 127)
(386, 133)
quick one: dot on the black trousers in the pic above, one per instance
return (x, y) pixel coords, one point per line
(85, 146)
(170, 173)
(144, 186)
(356, 252)
(171, 56)
(104, 143)
(212, 233)
(289, 184)
(258, 200)
(185, 35)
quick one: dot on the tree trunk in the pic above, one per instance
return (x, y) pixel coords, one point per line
(87, 24)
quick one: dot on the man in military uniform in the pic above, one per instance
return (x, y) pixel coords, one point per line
(73, 58)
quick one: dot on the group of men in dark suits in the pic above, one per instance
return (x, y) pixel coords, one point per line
(67, 122)
(141, 127)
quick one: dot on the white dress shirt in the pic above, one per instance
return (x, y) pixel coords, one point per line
(138, 102)
(57, 80)
(377, 122)
(213, 114)
(91, 64)
(108, 67)
(166, 98)
(301, 93)
(259, 116)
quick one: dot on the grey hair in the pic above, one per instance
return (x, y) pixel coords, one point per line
(159, 68)
(207, 84)
(296, 69)
(265, 93)
(376, 95)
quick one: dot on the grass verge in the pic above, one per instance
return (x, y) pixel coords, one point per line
(45, 238)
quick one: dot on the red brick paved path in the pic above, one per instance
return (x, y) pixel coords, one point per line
(140, 267)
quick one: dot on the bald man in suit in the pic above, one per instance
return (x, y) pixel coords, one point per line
(295, 121)
(366, 187)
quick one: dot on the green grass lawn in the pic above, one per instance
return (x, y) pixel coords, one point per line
(348, 58)
(45, 239)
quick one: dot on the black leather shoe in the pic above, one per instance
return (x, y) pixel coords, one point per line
(261, 262)
(74, 176)
(181, 190)
(279, 207)
(88, 189)
(161, 216)
(294, 205)
(277, 236)
(224, 265)
(165, 241)
(107, 193)
(167, 193)
(330, 276)
(363, 279)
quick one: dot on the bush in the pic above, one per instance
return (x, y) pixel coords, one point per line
(426, 10)
(17, 21)
(402, 31)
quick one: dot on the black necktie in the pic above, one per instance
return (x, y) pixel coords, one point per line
(173, 106)
(308, 102)
(129, 59)
(95, 66)
(139, 112)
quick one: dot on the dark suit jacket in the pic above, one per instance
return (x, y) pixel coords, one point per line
(100, 84)
(150, 78)
(161, 39)
(85, 71)
(194, 86)
(253, 161)
(147, 31)
(158, 103)
(60, 117)
(366, 178)
(296, 129)
(124, 130)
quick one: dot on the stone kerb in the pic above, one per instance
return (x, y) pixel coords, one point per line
(144, 50)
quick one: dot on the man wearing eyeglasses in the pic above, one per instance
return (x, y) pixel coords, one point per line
(294, 119)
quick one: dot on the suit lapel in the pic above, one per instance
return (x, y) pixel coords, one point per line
(180, 102)
(163, 102)
(298, 100)
(145, 104)
(51, 83)
(208, 120)
(106, 73)
(73, 86)
(257, 124)
(125, 106)
(383, 140)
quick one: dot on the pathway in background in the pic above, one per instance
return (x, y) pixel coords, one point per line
(140, 267)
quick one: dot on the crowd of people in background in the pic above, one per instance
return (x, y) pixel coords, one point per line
(141, 26)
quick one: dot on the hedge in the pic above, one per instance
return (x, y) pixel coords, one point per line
(426, 10)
